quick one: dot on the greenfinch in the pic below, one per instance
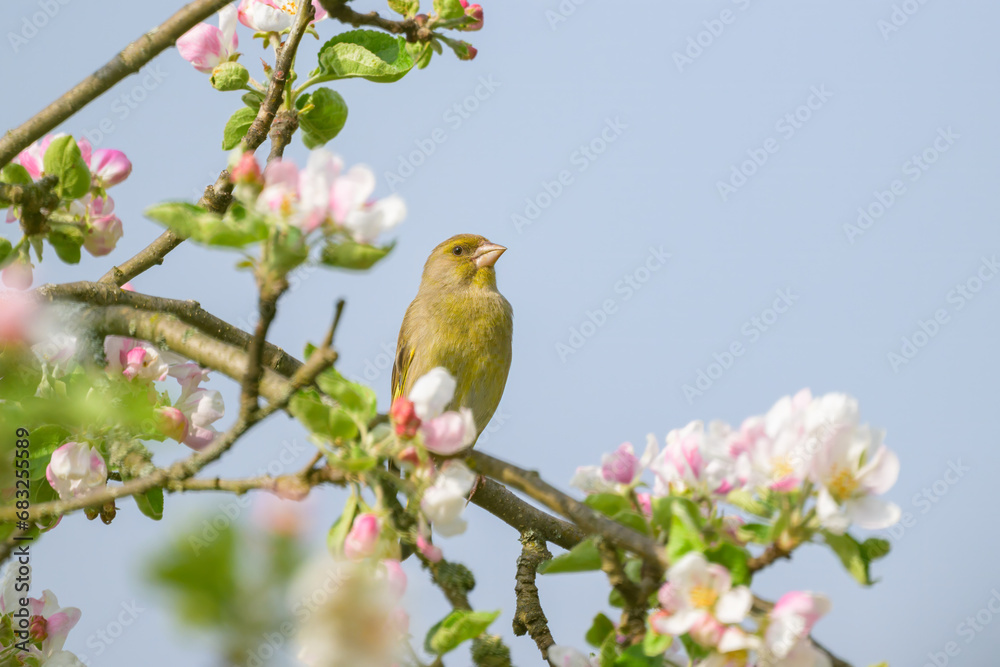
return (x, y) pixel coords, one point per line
(460, 321)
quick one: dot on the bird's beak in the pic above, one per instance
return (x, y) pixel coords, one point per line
(488, 254)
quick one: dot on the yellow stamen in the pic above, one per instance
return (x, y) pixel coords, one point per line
(703, 597)
(842, 484)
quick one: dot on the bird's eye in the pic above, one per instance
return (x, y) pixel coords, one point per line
(457, 250)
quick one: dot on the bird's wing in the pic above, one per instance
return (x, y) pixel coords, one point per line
(404, 355)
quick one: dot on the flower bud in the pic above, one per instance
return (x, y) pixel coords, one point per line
(404, 415)
(465, 51)
(229, 75)
(246, 170)
(474, 12)
(17, 274)
(109, 167)
(362, 541)
(429, 551)
(76, 469)
(103, 235)
(172, 423)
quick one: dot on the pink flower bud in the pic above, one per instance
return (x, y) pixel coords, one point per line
(646, 503)
(362, 541)
(103, 235)
(17, 310)
(76, 469)
(429, 551)
(449, 433)
(474, 12)
(133, 362)
(109, 167)
(466, 51)
(404, 416)
(246, 170)
(173, 423)
(17, 274)
(707, 631)
(395, 577)
(621, 465)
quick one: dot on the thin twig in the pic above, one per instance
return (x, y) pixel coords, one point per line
(339, 10)
(129, 61)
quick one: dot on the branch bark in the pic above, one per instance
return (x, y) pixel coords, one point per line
(129, 61)
(528, 614)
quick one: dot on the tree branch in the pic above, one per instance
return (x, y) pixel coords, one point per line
(590, 520)
(129, 61)
(528, 614)
(339, 10)
(217, 197)
(105, 294)
(32, 198)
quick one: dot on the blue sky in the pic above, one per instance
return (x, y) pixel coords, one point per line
(590, 142)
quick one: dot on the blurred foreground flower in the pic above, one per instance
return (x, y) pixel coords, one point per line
(76, 469)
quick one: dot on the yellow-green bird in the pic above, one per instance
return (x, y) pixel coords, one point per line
(460, 321)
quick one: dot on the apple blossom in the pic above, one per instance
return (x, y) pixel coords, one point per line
(698, 593)
(103, 229)
(429, 551)
(201, 407)
(51, 623)
(18, 274)
(404, 417)
(791, 620)
(355, 619)
(109, 167)
(444, 501)
(567, 656)
(733, 650)
(32, 158)
(56, 350)
(392, 572)
(273, 15)
(301, 198)
(134, 359)
(362, 540)
(353, 209)
(206, 46)
(851, 469)
(700, 459)
(76, 469)
(246, 169)
(173, 423)
(619, 471)
(17, 310)
(474, 12)
(444, 432)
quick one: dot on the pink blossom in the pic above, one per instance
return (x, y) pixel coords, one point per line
(133, 358)
(205, 46)
(76, 469)
(18, 274)
(32, 158)
(246, 170)
(621, 466)
(792, 620)
(173, 423)
(395, 577)
(362, 540)
(103, 229)
(17, 310)
(474, 12)
(51, 623)
(404, 417)
(429, 551)
(273, 15)
(109, 167)
(353, 209)
(201, 407)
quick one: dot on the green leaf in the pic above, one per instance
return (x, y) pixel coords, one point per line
(608, 504)
(581, 558)
(733, 559)
(609, 651)
(853, 557)
(6, 249)
(655, 644)
(338, 532)
(874, 548)
(756, 532)
(15, 174)
(599, 630)
(237, 229)
(67, 241)
(324, 119)
(63, 159)
(150, 503)
(253, 99)
(229, 76)
(322, 419)
(449, 9)
(635, 656)
(633, 520)
(746, 502)
(458, 626)
(685, 529)
(354, 397)
(371, 55)
(662, 511)
(356, 256)
(407, 8)
(236, 127)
